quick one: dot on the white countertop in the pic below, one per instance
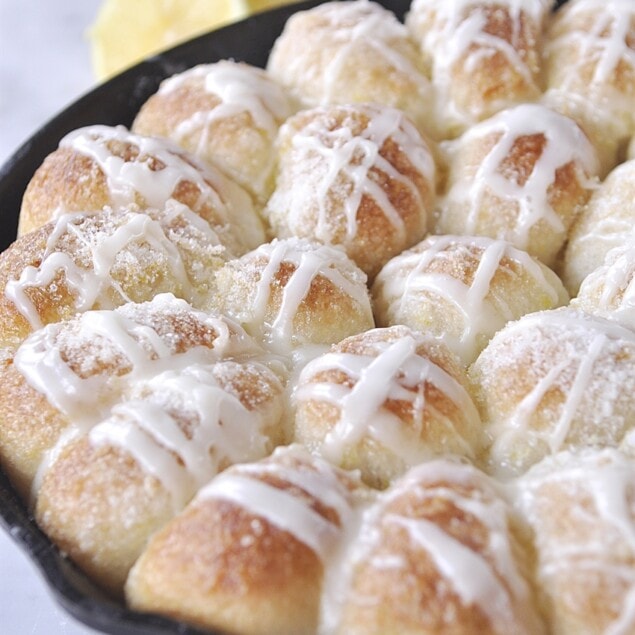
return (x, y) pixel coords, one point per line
(44, 65)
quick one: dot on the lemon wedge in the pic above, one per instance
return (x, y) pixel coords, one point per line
(126, 31)
(255, 6)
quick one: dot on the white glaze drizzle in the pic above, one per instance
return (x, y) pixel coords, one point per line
(40, 361)
(281, 508)
(126, 179)
(564, 143)
(598, 333)
(240, 88)
(470, 575)
(610, 290)
(606, 541)
(226, 202)
(356, 26)
(608, 219)
(457, 35)
(309, 261)
(605, 45)
(406, 276)
(338, 575)
(91, 280)
(490, 580)
(311, 474)
(223, 429)
(394, 372)
(352, 157)
(356, 23)
(610, 490)
(577, 390)
(85, 401)
(436, 479)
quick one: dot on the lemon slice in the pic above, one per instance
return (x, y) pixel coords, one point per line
(126, 31)
(255, 6)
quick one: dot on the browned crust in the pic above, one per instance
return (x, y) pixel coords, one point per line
(376, 239)
(69, 181)
(315, 418)
(29, 426)
(53, 303)
(495, 81)
(163, 112)
(497, 216)
(99, 507)
(416, 598)
(218, 566)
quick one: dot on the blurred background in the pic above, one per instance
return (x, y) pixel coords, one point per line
(53, 51)
(45, 63)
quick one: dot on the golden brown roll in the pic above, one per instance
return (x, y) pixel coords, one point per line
(352, 52)
(608, 221)
(227, 114)
(108, 491)
(551, 381)
(610, 290)
(101, 166)
(522, 176)
(483, 55)
(103, 260)
(463, 289)
(590, 69)
(385, 400)
(602, 130)
(292, 293)
(359, 176)
(581, 507)
(249, 554)
(66, 376)
(441, 552)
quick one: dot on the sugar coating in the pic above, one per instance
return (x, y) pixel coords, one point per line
(554, 380)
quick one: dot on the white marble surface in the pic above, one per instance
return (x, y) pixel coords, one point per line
(44, 65)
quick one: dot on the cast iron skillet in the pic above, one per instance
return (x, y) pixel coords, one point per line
(117, 102)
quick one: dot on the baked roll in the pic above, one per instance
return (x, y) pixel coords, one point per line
(293, 293)
(385, 400)
(607, 222)
(551, 381)
(108, 491)
(352, 52)
(522, 176)
(581, 507)
(226, 114)
(103, 260)
(65, 377)
(602, 131)
(483, 55)
(590, 69)
(359, 176)
(101, 166)
(250, 554)
(441, 552)
(463, 289)
(610, 290)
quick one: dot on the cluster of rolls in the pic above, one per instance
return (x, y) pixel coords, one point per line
(345, 345)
